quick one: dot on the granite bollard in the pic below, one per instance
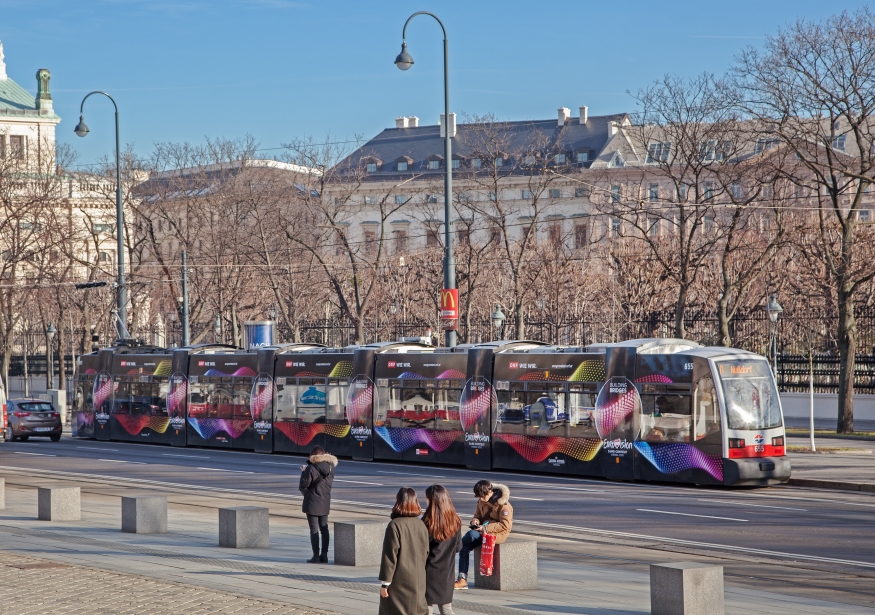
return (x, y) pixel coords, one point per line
(514, 566)
(144, 514)
(58, 504)
(244, 527)
(686, 588)
(358, 543)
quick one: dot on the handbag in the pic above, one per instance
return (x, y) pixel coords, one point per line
(487, 549)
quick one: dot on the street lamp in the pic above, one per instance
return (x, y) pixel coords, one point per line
(50, 371)
(404, 61)
(273, 312)
(498, 319)
(122, 296)
(774, 310)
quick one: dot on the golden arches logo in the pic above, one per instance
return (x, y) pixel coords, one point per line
(448, 299)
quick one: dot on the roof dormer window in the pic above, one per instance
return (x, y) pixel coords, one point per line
(402, 166)
(404, 163)
(559, 159)
(582, 156)
(434, 165)
(371, 167)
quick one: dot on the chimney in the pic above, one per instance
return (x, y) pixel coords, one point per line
(2, 65)
(401, 122)
(612, 128)
(412, 121)
(584, 114)
(43, 96)
(452, 126)
(564, 115)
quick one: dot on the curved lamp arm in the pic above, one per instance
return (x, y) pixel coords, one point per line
(404, 31)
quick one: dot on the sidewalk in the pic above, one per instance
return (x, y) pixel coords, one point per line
(838, 470)
(150, 571)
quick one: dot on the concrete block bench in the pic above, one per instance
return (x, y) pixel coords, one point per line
(58, 504)
(358, 543)
(244, 527)
(144, 514)
(514, 566)
(686, 588)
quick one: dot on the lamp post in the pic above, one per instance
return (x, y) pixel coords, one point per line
(498, 319)
(774, 310)
(122, 296)
(50, 371)
(404, 61)
(217, 329)
(393, 309)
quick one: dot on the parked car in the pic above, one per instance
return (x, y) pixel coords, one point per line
(32, 417)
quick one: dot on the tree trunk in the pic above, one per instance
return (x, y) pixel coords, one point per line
(847, 340)
(520, 321)
(680, 307)
(723, 321)
(359, 331)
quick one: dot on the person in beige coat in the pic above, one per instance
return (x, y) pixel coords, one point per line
(494, 515)
(405, 552)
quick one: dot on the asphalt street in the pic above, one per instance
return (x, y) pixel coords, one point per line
(778, 523)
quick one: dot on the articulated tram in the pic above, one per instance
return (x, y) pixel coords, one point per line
(648, 409)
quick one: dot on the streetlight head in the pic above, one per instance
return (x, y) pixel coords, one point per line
(81, 129)
(50, 331)
(774, 308)
(273, 312)
(404, 59)
(498, 317)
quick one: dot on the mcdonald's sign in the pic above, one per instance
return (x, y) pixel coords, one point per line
(450, 309)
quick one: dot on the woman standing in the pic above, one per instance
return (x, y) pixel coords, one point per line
(443, 524)
(316, 480)
(405, 551)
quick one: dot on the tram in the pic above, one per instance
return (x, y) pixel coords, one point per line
(649, 409)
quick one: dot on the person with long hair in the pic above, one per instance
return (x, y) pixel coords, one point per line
(317, 478)
(443, 524)
(405, 551)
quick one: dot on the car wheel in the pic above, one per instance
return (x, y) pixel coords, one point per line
(55, 437)
(10, 437)
(24, 438)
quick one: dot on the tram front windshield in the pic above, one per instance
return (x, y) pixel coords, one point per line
(751, 398)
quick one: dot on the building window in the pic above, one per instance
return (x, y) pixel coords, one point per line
(434, 165)
(864, 215)
(400, 239)
(524, 231)
(463, 236)
(682, 192)
(431, 238)
(581, 191)
(495, 235)
(654, 193)
(735, 189)
(431, 198)
(615, 194)
(456, 163)
(559, 159)
(555, 193)
(617, 162)
(653, 227)
(708, 225)
(475, 163)
(105, 257)
(499, 161)
(555, 233)
(582, 156)
(463, 197)
(2, 146)
(400, 199)
(839, 142)
(616, 227)
(707, 191)
(16, 147)
(580, 235)
(371, 167)
(402, 166)
(768, 191)
(763, 144)
(370, 200)
(658, 152)
(527, 194)
(493, 197)
(370, 241)
(103, 228)
(530, 161)
(715, 150)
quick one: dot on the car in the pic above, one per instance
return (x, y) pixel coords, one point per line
(32, 417)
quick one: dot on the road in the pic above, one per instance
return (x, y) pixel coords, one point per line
(823, 528)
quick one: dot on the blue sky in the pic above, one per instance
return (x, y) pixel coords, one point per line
(183, 70)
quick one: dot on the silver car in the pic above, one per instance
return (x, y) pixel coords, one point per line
(32, 417)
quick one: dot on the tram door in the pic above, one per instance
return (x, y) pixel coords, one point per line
(261, 401)
(617, 414)
(360, 404)
(476, 408)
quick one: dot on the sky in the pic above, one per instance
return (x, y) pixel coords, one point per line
(280, 70)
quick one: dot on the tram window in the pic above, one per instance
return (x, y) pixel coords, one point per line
(286, 396)
(144, 399)
(335, 406)
(311, 400)
(121, 398)
(666, 418)
(581, 409)
(417, 406)
(751, 398)
(511, 414)
(546, 411)
(707, 418)
(240, 400)
(446, 405)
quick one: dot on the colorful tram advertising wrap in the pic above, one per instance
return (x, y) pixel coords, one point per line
(309, 407)
(220, 388)
(652, 409)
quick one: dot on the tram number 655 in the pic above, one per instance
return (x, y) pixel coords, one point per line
(688, 366)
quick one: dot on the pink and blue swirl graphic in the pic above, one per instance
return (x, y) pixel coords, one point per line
(617, 401)
(654, 378)
(450, 373)
(177, 397)
(241, 372)
(261, 398)
(359, 400)
(102, 391)
(402, 438)
(477, 398)
(671, 457)
(207, 428)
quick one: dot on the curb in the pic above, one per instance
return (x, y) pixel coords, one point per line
(817, 483)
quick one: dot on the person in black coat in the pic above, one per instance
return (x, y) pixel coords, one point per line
(443, 524)
(316, 480)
